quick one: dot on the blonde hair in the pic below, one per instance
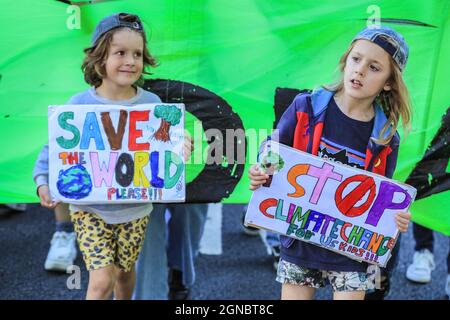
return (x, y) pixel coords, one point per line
(93, 65)
(395, 103)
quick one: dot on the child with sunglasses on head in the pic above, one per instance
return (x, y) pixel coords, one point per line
(110, 236)
(358, 116)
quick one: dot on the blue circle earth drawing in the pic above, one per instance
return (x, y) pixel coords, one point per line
(74, 183)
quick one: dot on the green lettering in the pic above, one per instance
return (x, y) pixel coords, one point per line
(383, 249)
(62, 121)
(355, 235)
(279, 211)
(170, 157)
(300, 218)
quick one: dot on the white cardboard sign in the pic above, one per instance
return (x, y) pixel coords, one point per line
(117, 154)
(335, 206)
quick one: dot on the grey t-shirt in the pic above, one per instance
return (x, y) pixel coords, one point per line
(110, 213)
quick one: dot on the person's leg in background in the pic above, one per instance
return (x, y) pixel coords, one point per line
(151, 267)
(8, 208)
(383, 278)
(185, 229)
(248, 230)
(424, 238)
(423, 261)
(63, 250)
(270, 239)
(273, 243)
(447, 283)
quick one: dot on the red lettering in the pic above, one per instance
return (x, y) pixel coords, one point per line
(111, 191)
(72, 158)
(346, 205)
(360, 253)
(391, 243)
(134, 133)
(266, 204)
(345, 226)
(144, 194)
(69, 157)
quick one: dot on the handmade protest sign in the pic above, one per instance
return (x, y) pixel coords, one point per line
(117, 154)
(337, 207)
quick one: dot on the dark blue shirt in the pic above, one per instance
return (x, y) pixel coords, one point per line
(344, 140)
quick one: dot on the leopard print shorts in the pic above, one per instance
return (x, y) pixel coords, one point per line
(103, 244)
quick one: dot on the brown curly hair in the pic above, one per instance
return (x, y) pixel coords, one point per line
(93, 65)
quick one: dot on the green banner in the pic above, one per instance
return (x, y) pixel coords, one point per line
(240, 51)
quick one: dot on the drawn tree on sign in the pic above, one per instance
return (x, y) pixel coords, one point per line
(170, 116)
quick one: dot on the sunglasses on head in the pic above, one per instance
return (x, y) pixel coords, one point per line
(131, 21)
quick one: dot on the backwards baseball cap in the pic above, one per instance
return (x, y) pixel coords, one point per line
(115, 21)
(390, 40)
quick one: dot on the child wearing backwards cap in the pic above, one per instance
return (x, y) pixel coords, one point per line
(358, 116)
(110, 236)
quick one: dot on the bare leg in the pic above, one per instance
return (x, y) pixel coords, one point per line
(296, 292)
(62, 212)
(124, 287)
(349, 295)
(101, 283)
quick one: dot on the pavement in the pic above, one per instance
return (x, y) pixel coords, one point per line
(231, 265)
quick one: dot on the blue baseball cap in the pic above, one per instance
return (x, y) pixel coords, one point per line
(388, 39)
(115, 21)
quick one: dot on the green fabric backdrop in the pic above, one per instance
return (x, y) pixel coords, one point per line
(240, 50)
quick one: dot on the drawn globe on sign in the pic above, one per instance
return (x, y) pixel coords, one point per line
(74, 183)
(271, 164)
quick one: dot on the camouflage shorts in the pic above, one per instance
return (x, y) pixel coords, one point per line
(341, 281)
